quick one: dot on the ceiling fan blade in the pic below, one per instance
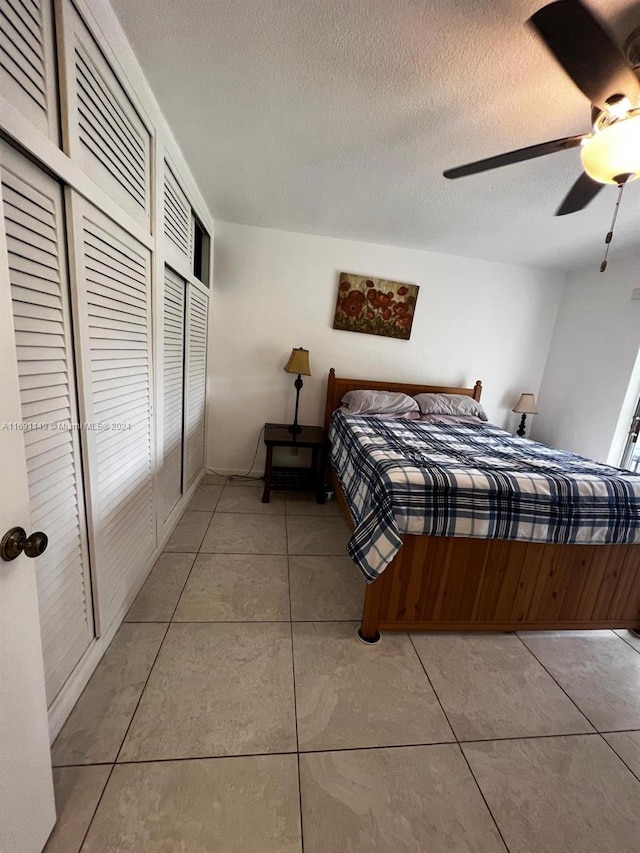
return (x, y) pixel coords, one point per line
(581, 193)
(586, 51)
(515, 156)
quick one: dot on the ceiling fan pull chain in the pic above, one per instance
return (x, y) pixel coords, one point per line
(609, 236)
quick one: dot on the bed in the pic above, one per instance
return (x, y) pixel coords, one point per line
(463, 583)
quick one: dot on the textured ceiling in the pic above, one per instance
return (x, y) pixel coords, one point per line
(337, 117)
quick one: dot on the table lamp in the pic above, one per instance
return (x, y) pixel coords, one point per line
(526, 405)
(298, 363)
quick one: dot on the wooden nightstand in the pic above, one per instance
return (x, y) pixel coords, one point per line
(279, 477)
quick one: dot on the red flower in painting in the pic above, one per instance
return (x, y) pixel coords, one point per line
(402, 310)
(385, 300)
(402, 291)
(403, 322)
(353, 304)
(386, 313)
(344, 286)
(369, 283)
(372, 298)
(369, 314)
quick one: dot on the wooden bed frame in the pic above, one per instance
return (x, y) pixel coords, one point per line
(439, 583)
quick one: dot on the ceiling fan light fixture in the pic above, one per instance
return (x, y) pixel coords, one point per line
(613, 152)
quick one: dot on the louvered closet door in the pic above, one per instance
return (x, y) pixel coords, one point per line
(105, 133)
(195, 377)
(178, 224)
(32, 206)
(173, 389)
(27, 69)
(114, 309)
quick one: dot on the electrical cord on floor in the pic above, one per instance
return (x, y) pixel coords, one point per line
(246, 476)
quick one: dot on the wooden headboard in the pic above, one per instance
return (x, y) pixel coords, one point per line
(337, 388)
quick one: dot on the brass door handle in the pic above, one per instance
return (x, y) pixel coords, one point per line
(15, 541)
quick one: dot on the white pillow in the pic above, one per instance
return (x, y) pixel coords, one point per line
(452, 419)
(378, 403)
(449, 404)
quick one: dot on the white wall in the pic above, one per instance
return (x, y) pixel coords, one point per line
(591, 362)
(275, 290)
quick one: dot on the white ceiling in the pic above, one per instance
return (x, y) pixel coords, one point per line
(337, 117)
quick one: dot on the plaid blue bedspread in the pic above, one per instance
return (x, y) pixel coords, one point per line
(402, 476)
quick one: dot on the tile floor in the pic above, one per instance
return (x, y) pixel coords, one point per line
(236, 711)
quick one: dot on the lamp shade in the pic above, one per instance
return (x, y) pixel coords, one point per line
(526, 405)
(298, 362)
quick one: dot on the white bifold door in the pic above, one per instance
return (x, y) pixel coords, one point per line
(34, 223)
(173, 390)
(113, 310)
(195, 380)
(185, 308)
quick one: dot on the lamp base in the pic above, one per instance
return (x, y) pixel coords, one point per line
(521, 428)
(295, 429)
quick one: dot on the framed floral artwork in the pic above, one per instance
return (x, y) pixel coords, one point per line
(375, 306)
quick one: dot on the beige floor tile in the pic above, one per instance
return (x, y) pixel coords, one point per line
(236, 588)
(230, 805)
(629, 637)
(98, 723)
(352, 695)
(217, 689)
(325, 588)
(245, 533)
(598, 670)
(206, 497)
(243, 499)
(420, 798)
(77, 792)
(627, 745)
(313, 535)
(190, 531)
(305, 503)
(491, 686)
(558, 795)
(159, 595)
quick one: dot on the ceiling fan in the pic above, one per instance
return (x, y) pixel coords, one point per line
(610, 152)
